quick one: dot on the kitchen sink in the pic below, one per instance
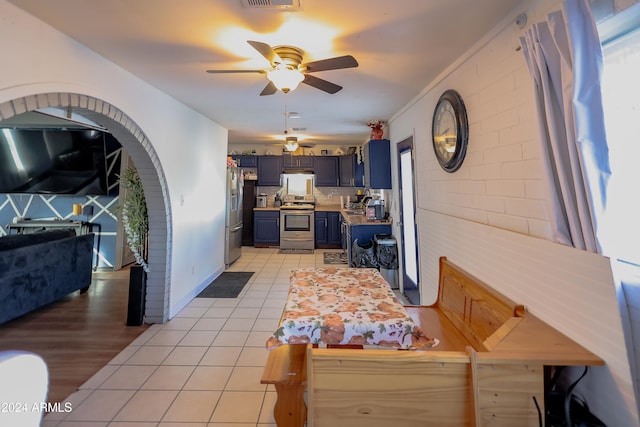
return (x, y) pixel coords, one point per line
(353, 212)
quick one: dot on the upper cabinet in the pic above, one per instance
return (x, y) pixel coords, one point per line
(347, 165)
(377, 164)
(269, 170)
(297, 162)
(326, 170)
(359, 173)
(330, 171)
(246, 161)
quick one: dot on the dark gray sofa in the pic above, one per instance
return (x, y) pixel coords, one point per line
(40, 268)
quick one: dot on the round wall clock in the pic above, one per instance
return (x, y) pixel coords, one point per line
(450, 131)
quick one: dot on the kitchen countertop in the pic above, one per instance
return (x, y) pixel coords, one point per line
(268, 208)
(353, 219)
(328, 208)
(349, 218)
(319, 208)
(362, 220)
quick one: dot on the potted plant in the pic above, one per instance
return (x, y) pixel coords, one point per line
(135, 220)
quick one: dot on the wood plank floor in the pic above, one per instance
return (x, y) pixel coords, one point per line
(77, 335)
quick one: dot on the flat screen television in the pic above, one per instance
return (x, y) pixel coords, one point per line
(59, 161)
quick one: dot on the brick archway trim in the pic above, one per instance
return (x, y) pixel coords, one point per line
(134, 140)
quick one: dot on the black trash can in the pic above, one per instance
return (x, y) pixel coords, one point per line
(363, 254)
(387, 257)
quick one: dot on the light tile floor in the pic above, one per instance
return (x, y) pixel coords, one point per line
(200, 369)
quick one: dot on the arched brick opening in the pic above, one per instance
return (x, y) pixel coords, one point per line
(148, 165)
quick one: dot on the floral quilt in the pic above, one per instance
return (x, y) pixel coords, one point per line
(345, 306)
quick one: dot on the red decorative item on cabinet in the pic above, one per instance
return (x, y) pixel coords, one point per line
(376, 129)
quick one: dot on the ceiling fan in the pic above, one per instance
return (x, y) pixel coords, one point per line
(287, 69)
(292, 143)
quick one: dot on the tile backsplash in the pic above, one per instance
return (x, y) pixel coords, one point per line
(323, 195)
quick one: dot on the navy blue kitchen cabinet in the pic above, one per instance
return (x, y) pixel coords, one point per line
(359, 173)
(351, 172)
(364, 233)
(269, 170)
(246, 160)
(327, 229)
(321, 222)
(297, 162)
(334, 232)
(347, 166)
(266, 228)
(326, 170)
(377, 164)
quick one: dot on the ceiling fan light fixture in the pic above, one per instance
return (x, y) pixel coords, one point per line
(285, 79)
(291, 144)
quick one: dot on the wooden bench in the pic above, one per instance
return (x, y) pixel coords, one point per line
(488, 370)
(286, 369)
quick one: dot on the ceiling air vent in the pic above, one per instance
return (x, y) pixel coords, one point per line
(272, 4)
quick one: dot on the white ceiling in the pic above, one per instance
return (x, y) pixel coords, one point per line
(401, 45)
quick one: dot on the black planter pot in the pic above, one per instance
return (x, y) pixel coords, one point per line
(137, 294)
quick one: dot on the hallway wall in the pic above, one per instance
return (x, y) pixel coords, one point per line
(189, 149)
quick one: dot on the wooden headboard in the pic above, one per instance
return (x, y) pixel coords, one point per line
(475, 309)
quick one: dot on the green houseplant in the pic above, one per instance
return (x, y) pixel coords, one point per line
(135, 221)
(134, 215)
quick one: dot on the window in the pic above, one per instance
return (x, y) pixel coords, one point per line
(620, 232)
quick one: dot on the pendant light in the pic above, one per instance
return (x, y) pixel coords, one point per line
(290, 142)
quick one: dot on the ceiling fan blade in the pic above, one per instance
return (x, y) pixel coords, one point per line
(336, 63)
(269, 89)
(234, 71)
(321, 84)
(266, 51)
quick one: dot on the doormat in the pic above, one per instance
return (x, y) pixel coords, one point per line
(295, 251)
(227, 285)
(335, 258)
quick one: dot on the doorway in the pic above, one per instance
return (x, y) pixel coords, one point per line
(408, 228)
(135, 142)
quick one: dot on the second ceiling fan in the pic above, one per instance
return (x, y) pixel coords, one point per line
(287, 69)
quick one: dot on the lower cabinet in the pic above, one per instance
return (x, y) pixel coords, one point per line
(328, 232)
(334, 233)
(321, 222)
(266, 228)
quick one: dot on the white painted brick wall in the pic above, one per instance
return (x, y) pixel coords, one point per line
(514, 188)
(501, 181)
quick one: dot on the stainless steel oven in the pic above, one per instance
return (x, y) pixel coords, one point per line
(297, 224)
(297, 228)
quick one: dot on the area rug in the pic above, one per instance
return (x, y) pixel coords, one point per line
(227, 285)
(296, 251)
(335, 258)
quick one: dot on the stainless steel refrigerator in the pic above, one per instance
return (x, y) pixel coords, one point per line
(233, 217)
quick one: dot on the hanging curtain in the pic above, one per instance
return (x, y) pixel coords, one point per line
(564, 57)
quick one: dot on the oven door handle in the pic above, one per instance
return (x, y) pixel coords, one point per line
(295, 212)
